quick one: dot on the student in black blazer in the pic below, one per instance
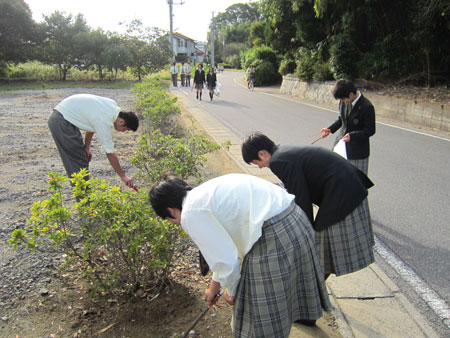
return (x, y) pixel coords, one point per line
(315, 175)
(356, 122)
(199, 80)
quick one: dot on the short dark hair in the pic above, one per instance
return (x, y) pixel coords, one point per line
(131, 119)
(342, 89)
(168, 193)
(253, 143)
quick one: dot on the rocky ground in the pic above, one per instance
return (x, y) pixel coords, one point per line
(36, 300)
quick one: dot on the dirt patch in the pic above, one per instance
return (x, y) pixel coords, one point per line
(38, 301)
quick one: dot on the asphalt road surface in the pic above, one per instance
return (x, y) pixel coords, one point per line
(410, 165)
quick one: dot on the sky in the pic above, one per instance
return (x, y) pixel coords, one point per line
(192, 18)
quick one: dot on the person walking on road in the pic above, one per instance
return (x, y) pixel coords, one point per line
(259, 245)
(211, 81)
(315, 175)
(93, 114)
(199, 80)
(356, 122)
(187, 74)
(174, 74)
(251, 77)
(182, 74)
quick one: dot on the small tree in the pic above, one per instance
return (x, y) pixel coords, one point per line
(58, 46)
(110, 236)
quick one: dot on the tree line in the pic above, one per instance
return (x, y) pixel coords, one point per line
(381, 40)
(68, 42)
(398, 41)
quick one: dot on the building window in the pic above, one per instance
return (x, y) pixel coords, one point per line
(180, 43)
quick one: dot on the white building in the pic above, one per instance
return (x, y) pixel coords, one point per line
(183, 48)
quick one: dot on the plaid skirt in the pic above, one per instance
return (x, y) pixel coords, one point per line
(347, 246)
(362, 165)
(281, 279)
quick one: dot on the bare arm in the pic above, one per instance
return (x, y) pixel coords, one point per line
(112, 157)
(87, 144)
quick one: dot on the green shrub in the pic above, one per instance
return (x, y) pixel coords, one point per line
(110, 236)
(234, 61)
(156, 105)
(265, 73)
(322, 71)
(305, 64)
(287, 66)
(259, 53)
(344, 56)
(159, 155)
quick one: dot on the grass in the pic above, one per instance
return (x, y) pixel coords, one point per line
(36, 85)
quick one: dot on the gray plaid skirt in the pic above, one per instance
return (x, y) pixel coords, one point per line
(347, 246)
(281, 279)
(362, 165)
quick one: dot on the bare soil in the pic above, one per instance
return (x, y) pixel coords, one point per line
(36, 300)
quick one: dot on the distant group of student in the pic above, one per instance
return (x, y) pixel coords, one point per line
(264, 243)
(200, 81)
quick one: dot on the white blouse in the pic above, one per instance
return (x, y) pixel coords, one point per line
(224, 217)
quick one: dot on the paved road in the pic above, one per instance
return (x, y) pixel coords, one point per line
(410, 203)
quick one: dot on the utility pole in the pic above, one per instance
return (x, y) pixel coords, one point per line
(171, 3)
(212, 40)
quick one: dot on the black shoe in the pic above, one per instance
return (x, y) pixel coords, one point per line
(197, 96)
(306, 322)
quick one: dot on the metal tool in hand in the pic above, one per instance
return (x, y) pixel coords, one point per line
(185, 334)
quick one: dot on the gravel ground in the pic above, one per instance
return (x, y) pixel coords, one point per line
(27, 154)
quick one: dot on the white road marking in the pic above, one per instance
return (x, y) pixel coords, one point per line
(438, 305)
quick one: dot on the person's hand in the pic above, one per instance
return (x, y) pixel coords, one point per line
(346, 138)
(128, 181)
(325, 132)
(228, 299)
(212, 292)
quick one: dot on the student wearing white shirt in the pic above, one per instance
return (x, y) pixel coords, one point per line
(187, 73)
(93, 114)
(183, 74)
(174, 74)
(259, 245)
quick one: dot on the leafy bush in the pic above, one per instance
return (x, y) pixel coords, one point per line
(35, 70)
(305, 64)
(344, 56)
(234, 61)
(159, 155)
(259, 53)
(265, 73)
(156, 105)
(287, 66)
(110, 236)
(322, 71)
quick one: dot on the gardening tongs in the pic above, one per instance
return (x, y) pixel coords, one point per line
(185, 334)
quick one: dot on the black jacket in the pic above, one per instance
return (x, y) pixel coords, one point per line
(320, 176)
(211, 79)
(360, 124)
(199, 76)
